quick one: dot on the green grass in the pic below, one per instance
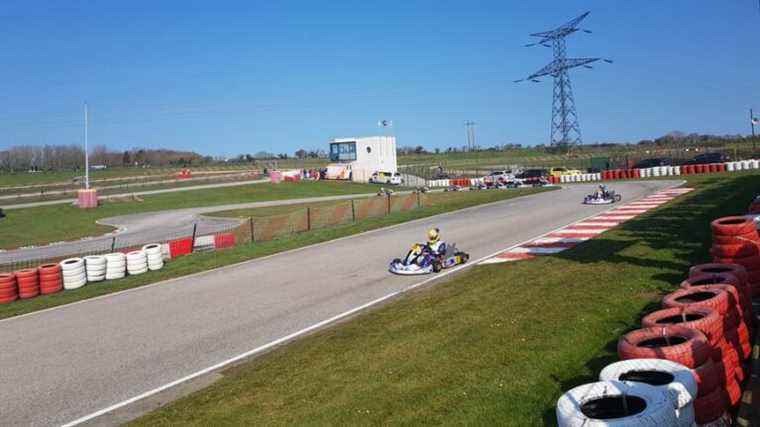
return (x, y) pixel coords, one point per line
(496, 345)
(8, 179)
(204, 261)
(428, 199)
(45, 224)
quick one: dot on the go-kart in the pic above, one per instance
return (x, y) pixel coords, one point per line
(606, 198)
(421, 259)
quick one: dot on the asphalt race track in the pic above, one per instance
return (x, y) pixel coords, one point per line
(149, 227)
(66, 363)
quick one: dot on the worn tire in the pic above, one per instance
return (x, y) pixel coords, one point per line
(688, 346)
(675, 379)
(750, 262)
(600, 405)
(712, 268)
(699, 296)
(72, 264)
(710, 407)
(707, 376)
(735, 240)
(705, 319)
(733, 226)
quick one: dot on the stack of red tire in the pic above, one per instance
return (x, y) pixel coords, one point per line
(730, 339)
(51, 279)
(28, 283)
(8, 288)
(736, 241)
(703, 327)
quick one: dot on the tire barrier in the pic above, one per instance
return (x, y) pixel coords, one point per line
(203, 243)
(51, 279)
(137, 262)
(180, 247)
(95, 267)
(706, 325)
(28, 282)
(224, 240)
(116, 266)
(736, 241)
(676, 380)
(615, 404)
(154, 257)
(73, 272)
(8, 288)
(679, 344)
(742, 290)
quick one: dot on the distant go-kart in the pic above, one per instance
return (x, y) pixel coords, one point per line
(606, 198)
(422, 260)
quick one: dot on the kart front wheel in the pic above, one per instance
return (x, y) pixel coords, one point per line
(618, 197)
(437, 266)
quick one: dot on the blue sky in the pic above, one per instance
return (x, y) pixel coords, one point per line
(232, 77)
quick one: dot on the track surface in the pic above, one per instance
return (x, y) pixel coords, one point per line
(65, 363)
(138, 229)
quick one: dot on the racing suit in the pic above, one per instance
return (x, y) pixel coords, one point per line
(438, 247)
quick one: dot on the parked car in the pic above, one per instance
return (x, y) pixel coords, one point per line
(533, 177)
(558, 172)
(499, 178)
(651, 163)
(707, 158)
(386, 178)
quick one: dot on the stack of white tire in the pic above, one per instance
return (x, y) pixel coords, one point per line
(137, 262)
(675, 379)
(74, 274)
(95, 267)
(154, 255)
(601, 404)
(635, 392)
(116, 266)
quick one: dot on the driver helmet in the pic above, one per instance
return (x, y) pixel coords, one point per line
(433, 235)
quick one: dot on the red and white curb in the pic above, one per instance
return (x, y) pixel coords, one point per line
(568, 237)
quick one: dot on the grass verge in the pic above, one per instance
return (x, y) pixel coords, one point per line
(496, 345)
(46, 224)
(195, 263)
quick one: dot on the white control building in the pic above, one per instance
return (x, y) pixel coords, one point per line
(358, 158)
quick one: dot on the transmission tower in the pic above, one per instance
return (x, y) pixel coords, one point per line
(469, 129)
(565, 130)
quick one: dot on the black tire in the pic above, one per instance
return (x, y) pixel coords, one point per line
(618, 197)
(437, 266)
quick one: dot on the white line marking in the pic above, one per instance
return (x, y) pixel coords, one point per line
(308, 329)
(536, 250)
(560, 240)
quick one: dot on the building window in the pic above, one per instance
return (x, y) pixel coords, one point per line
(342, 151)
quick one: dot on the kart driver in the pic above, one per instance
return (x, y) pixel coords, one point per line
(434, 242)
(601, 191)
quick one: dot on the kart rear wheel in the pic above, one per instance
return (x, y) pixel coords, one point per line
(437, 266)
